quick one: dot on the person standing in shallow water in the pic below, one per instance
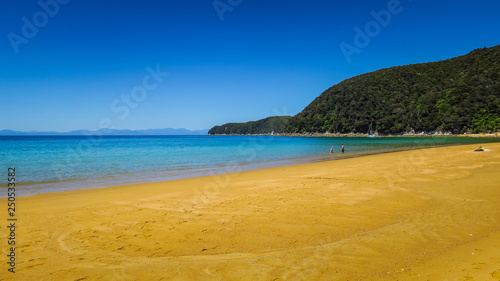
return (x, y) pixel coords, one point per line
(331, 149)
(342, 148)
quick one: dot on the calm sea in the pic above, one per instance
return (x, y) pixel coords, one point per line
(57, 163)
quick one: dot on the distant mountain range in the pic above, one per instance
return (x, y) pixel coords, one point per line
(110, 132)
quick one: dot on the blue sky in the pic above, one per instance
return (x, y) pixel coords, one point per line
(84, 64)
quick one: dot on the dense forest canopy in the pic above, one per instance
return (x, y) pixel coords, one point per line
(268, 125)
(457, 95)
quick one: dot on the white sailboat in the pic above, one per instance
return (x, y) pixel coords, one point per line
(370, 133)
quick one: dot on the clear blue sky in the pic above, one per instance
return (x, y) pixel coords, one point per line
(263, 58)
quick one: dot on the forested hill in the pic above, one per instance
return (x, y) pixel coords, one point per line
(457, 95)
(267, 125)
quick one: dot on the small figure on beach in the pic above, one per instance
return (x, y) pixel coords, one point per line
(342, 148)
(331, 149)
(481, 148)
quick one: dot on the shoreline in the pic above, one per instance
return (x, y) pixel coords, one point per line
(223, 170)
(407, 215)
(199, 174)
(40, 188)
(406, 134)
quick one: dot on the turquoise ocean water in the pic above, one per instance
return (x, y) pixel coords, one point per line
(57, 163)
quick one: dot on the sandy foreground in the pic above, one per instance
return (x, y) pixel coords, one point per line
(430, 214)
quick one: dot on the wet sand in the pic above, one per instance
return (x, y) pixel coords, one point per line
(429, 214)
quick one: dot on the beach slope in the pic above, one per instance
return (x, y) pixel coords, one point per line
(427, 214)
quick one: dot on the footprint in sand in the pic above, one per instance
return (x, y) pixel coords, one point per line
(120, 275)
(496, 274)
(479, 266)
(61, 240)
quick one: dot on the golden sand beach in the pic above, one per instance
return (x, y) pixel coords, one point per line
(428, 214)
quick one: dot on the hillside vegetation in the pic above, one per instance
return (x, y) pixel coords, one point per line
(267, 125)
(457, 95)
